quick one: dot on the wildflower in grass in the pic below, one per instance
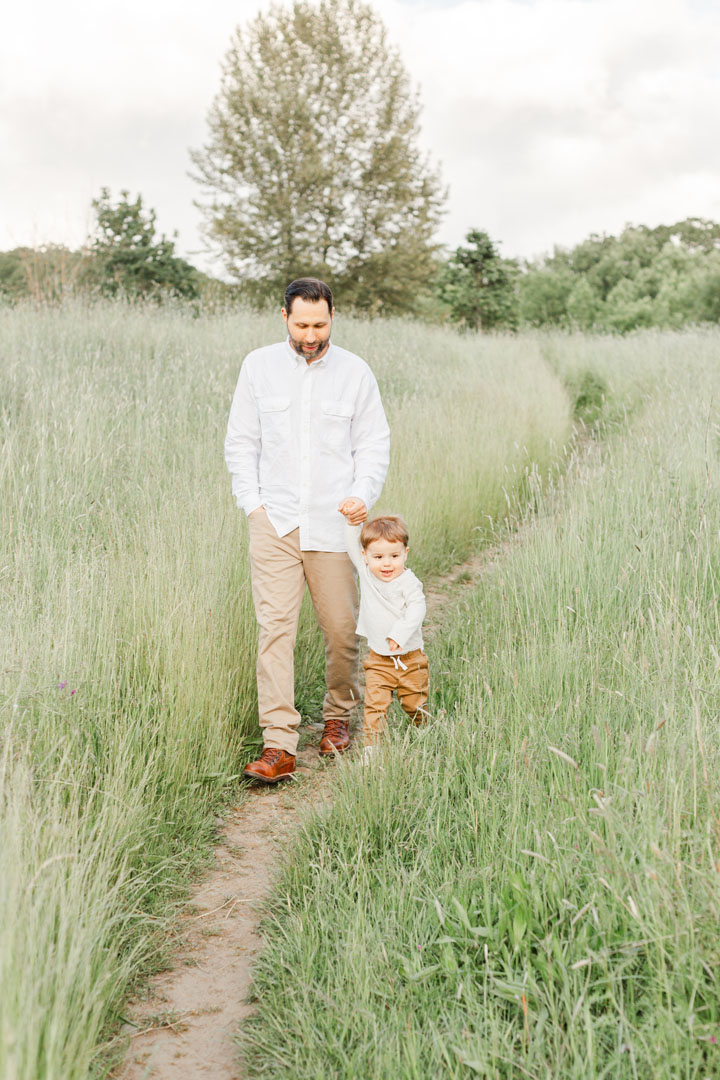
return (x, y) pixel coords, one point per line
(62, 685)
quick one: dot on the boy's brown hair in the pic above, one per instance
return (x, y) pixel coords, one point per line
(390, 527)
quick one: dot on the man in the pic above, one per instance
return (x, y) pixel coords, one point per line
(307, 431)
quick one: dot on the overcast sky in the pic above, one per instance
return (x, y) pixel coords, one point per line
(550, 119)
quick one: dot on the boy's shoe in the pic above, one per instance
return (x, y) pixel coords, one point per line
(335, 737)
(271, 766)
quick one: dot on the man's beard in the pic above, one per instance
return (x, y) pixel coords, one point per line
(298, 347)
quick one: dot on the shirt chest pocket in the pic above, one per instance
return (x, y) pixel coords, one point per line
(274, 418)
(336, 417)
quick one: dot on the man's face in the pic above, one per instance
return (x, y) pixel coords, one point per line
(309, 323)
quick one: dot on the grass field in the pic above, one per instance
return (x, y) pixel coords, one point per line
(126, 631)
(531, 885)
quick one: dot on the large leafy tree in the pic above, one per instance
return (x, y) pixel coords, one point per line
(477, 284)
(129, 258)
(312, 164)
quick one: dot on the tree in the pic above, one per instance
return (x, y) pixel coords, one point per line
(312, 164)
(48, 274)
(543, 293)
(664, 276)
(584, 307)
(129, 258)
(13, 280)
(478, 285)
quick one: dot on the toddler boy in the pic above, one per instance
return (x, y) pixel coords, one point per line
(392, 608)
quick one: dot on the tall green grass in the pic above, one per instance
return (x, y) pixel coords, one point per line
(530, 886)
(127, 637)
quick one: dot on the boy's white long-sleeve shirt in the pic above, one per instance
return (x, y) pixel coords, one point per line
(388, 609)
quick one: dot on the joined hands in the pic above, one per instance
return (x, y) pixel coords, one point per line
(354, 510)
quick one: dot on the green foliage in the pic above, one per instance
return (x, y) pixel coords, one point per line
(708, 291)
(668, 276)
(49, 273)
(477, 285)
(543, 297)
(312, 164)
(13, 281)
(129, 259)
(590, 393)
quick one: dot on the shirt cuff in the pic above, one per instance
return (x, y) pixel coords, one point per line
(248, 503)
(360, 491)
(398, 632)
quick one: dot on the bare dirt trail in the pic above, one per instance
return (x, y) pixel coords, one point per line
(184, 1028)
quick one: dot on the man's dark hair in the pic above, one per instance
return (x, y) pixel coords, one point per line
(308, 288)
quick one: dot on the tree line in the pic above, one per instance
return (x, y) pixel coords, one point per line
(665, 277)
(312, 165)
(668, 276)
(124, 256)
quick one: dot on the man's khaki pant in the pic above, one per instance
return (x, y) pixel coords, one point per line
(279, 571)
(382, 677)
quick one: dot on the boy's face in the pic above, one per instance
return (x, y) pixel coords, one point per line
(386, 558)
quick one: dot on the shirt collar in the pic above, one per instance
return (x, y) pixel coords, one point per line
(298, 359)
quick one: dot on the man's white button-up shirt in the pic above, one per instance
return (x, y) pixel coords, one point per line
(303, 437)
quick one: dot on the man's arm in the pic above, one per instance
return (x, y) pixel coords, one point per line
(242, 445)
(370, 441)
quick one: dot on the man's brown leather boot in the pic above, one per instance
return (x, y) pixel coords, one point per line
(271, 766)
(335, 737)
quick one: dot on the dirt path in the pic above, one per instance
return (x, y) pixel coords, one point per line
(185, 1028)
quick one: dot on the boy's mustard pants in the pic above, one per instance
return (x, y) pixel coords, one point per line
(382, 677)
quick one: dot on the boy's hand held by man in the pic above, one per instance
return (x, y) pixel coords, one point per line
(354, 510)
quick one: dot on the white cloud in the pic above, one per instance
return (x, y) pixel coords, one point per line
(550, 118)
(561, 117)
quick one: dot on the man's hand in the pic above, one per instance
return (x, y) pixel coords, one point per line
(392, 645)
(354, 510)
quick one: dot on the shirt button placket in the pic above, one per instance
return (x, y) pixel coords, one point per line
(305, 437)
